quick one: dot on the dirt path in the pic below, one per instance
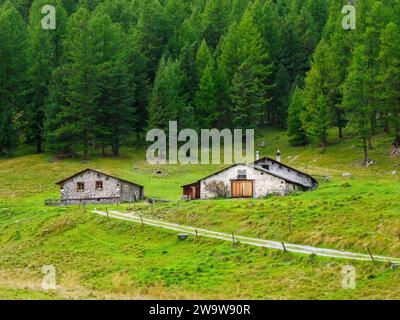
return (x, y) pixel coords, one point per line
(250, 241)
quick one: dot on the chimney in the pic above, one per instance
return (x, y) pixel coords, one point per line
(278, 156)
(257, 155)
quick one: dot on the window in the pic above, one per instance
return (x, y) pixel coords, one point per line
(242, 174)
(99, 185)
(80, 186)
(266, 166)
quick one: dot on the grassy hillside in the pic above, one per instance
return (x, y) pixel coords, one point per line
(96, 258)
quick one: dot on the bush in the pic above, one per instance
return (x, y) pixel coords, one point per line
(219, 188)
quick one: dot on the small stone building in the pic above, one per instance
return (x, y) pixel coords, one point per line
(91, 186)
(261, 178)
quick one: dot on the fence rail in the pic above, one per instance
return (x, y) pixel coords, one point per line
(287, 247)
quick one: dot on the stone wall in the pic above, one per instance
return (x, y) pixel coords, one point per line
(263, 184)
(288, 173)
(113, 189)
(130, 192)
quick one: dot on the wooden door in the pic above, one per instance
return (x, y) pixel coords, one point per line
(242, 189)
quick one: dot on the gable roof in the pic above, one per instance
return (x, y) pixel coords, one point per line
(213, 174)
(259, 168)
(255, 166)
(255, 163)
(104, 174)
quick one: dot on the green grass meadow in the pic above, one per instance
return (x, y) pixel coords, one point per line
(97, 258)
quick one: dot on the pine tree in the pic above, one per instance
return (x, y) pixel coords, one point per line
(215, 21)
(296, 132)
(206, 98)
(151, 34)
(166, 99)
(114, 116)
(322, 95)
(389, 76)
(203, 57)
(140, 80)
(77, 121)
(244, 48)
(355, 98)
(248, 97)
(44, 47)
(12, 69)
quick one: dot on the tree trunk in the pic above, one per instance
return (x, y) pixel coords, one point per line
(373, 123)
(386, 126)
(365, 149)
(397, 141)
(137, 139)
(340, 132)
(370, 146)
(340, 125)
(115, 148)
(86, 148)
(39, 148)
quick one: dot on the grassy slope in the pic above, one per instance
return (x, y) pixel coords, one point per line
(109, 259)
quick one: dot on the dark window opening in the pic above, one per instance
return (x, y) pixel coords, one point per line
(242, 174)
(80, 186)
(265, 166)
(99, 185)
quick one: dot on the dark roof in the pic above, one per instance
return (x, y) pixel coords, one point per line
(255, 163)
(104, 174)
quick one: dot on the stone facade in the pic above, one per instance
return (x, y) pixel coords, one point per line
(287, 172)
(263, 183)
(90, 186)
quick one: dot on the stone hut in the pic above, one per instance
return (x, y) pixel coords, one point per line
(91, 186)
(264, 177)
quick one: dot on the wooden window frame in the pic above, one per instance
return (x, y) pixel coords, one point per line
(99, 185)
(240, 175)
(80, 186)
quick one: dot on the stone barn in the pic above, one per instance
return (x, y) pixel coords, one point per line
(91, 186)
(261, 178)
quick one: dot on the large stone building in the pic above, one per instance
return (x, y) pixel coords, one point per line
(91, 186)
(261, 178)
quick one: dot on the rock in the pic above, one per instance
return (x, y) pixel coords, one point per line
(394, 266)
(182, 236)
(262, 144)
(346, 175)
(394, 172)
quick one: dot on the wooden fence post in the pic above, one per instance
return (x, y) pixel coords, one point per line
(233, 237)
(141, 219)
(284, 247)
(108, 216)
(370, 254)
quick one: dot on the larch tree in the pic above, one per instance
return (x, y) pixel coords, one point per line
(355, 98)
(389, 57)
(12, 71)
